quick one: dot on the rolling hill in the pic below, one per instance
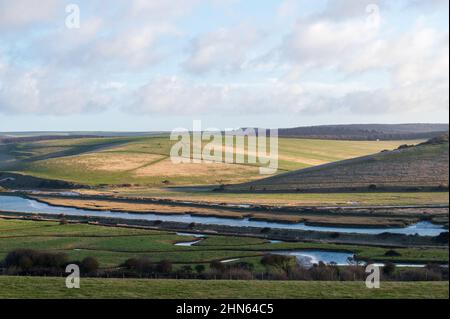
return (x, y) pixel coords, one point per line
(369, 132)
(146, 161)
(424, 166)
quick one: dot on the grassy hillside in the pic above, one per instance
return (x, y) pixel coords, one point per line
(40, 287)
(425, 165)
(145, 160)
(371, 132)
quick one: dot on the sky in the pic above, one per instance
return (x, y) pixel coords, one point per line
(150, 65)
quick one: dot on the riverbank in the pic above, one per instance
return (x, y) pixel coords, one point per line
(357, 216)
(29, 204)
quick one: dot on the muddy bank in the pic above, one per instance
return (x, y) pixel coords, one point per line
(370, 217)
(384, 239)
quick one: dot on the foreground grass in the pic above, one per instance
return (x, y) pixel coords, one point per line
(44, 287)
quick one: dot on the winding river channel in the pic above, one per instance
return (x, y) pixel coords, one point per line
(20, 204)
(305, 257)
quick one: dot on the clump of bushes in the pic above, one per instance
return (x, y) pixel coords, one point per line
(232, 271)
(200, 269)
(144, 266)
(389, 269)
(34, 262)
(442, 238)
(280, 262)
(29, 261)
(89, 265)
(392, 253)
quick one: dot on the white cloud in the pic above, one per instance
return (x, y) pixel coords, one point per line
(41, 91)
(399, 100)
(177, 96)
(133, 47)
(160, 9)
(349, 9)
(415, 62)
(325, 43)
(100, 65)
(20, 13)
(225, 50)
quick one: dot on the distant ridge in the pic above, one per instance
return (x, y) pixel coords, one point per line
(358, 132)
(421, 167)
(367, 131)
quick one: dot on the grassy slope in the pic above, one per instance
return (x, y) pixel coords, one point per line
(112, 245)
(146, 160)
(35, 287)
(424, 165)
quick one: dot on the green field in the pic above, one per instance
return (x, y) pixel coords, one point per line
(39, 287)
(112, 245)
(145, 160)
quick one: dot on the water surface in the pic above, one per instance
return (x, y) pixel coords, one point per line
(19, 204)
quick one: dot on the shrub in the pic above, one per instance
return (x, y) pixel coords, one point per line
(217, 265)
(277, 261)
(323, 272)
(89, 265)
(442, 238)
(300, 273)
(29, 259)
(389, 268)
(435, 273)
(164, 266)
(352, 273)
(142, 265)
(244, 265)
(200, 269)
(392, 253)
(239, 274)
(186, 270)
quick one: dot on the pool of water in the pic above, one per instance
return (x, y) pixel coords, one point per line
(308, 258)
(192, 235)
(19, 204)
(188, 243)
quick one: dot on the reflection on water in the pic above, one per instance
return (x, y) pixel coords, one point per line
(19, 204)
(188, 243)
(310, 257)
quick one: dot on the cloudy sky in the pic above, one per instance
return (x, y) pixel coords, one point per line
(156, 65)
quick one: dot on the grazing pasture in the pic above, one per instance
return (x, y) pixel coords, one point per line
(113, 245)
(53, 288)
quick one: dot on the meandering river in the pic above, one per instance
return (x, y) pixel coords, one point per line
(19, 204)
